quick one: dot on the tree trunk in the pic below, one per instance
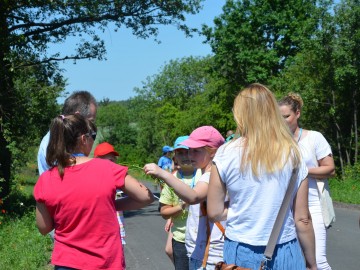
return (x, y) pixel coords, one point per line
(355, 124)
(338, 137)
(7, 104)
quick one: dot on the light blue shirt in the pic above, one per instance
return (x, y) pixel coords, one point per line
(41, 157)
(165, 163)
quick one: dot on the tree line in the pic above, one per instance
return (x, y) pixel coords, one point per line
(308, 47)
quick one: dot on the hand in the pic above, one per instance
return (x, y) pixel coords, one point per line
(184, 205)
(168, 225)
(153, 170)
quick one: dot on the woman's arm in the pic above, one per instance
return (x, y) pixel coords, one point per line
(325, 170)
(138, 195)
(216, 208)
(44, 221)
(303, 223)
(186, 193)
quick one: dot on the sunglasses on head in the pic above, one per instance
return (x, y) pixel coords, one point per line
(92, 134)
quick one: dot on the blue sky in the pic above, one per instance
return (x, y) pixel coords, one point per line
(130, 60)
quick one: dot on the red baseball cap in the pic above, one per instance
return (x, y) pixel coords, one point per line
(103, 149)
(204, 136)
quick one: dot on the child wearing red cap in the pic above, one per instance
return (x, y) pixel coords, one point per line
(202, 143)
(107, 151)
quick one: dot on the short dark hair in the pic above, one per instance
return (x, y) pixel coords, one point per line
(79, 101)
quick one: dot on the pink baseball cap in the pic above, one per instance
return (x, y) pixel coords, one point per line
(204, 136)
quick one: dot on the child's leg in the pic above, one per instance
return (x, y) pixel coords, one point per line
(168, 246)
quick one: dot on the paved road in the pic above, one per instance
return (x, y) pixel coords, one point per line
(145, 237)
(344, 240)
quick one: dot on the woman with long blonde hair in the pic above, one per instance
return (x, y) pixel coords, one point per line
(255, 170)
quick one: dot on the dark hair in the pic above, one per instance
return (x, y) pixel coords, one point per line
(79, 101)
(65, 132)
(293, 100)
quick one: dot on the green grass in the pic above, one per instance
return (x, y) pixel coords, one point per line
(22, 246)
(345, 191)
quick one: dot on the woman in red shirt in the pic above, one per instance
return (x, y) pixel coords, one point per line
(76, 198)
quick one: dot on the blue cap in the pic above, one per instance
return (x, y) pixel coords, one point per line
(178, 141)
(167, 148)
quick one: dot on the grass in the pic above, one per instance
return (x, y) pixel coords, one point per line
(23, 247)
(345, 191)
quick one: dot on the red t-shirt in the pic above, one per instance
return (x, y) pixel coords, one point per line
(82, 205)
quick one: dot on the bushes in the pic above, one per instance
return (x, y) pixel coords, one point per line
(347, 190)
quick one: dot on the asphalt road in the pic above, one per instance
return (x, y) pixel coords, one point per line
(145, 239)
(343, 245)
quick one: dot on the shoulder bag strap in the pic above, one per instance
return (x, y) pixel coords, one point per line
(208, 233)
(269, 250)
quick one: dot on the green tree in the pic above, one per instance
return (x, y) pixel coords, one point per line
(116, 128)
(36, 90)
(326, 74)
(254, 40)
(28, 27)
(183, 96)
(347, 73)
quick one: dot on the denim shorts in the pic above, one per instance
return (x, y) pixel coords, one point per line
(196, 265)
(57, 267)
(286, 256)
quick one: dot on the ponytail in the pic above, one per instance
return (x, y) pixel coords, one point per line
(65, 132)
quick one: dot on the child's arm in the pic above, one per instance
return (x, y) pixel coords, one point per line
(169, 211)
(186, 193)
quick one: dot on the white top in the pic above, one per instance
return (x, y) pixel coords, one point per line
(255, 201)
(195, 236)
(313, 148)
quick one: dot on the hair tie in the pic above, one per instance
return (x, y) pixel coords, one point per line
(62, 116)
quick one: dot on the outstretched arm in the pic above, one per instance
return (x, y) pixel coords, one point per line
(304, 227)
(138, 195)
(186, 193)
(216, 209)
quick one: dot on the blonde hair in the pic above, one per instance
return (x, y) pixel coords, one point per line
(293, 100)
(267, 140)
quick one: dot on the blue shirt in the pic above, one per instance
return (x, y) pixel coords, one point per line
(165, 163)
(41, 158)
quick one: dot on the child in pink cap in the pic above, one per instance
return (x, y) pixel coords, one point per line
(203, 143)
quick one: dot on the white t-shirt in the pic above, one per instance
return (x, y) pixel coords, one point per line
(313, 148)
(255, 201)
(195, 235)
